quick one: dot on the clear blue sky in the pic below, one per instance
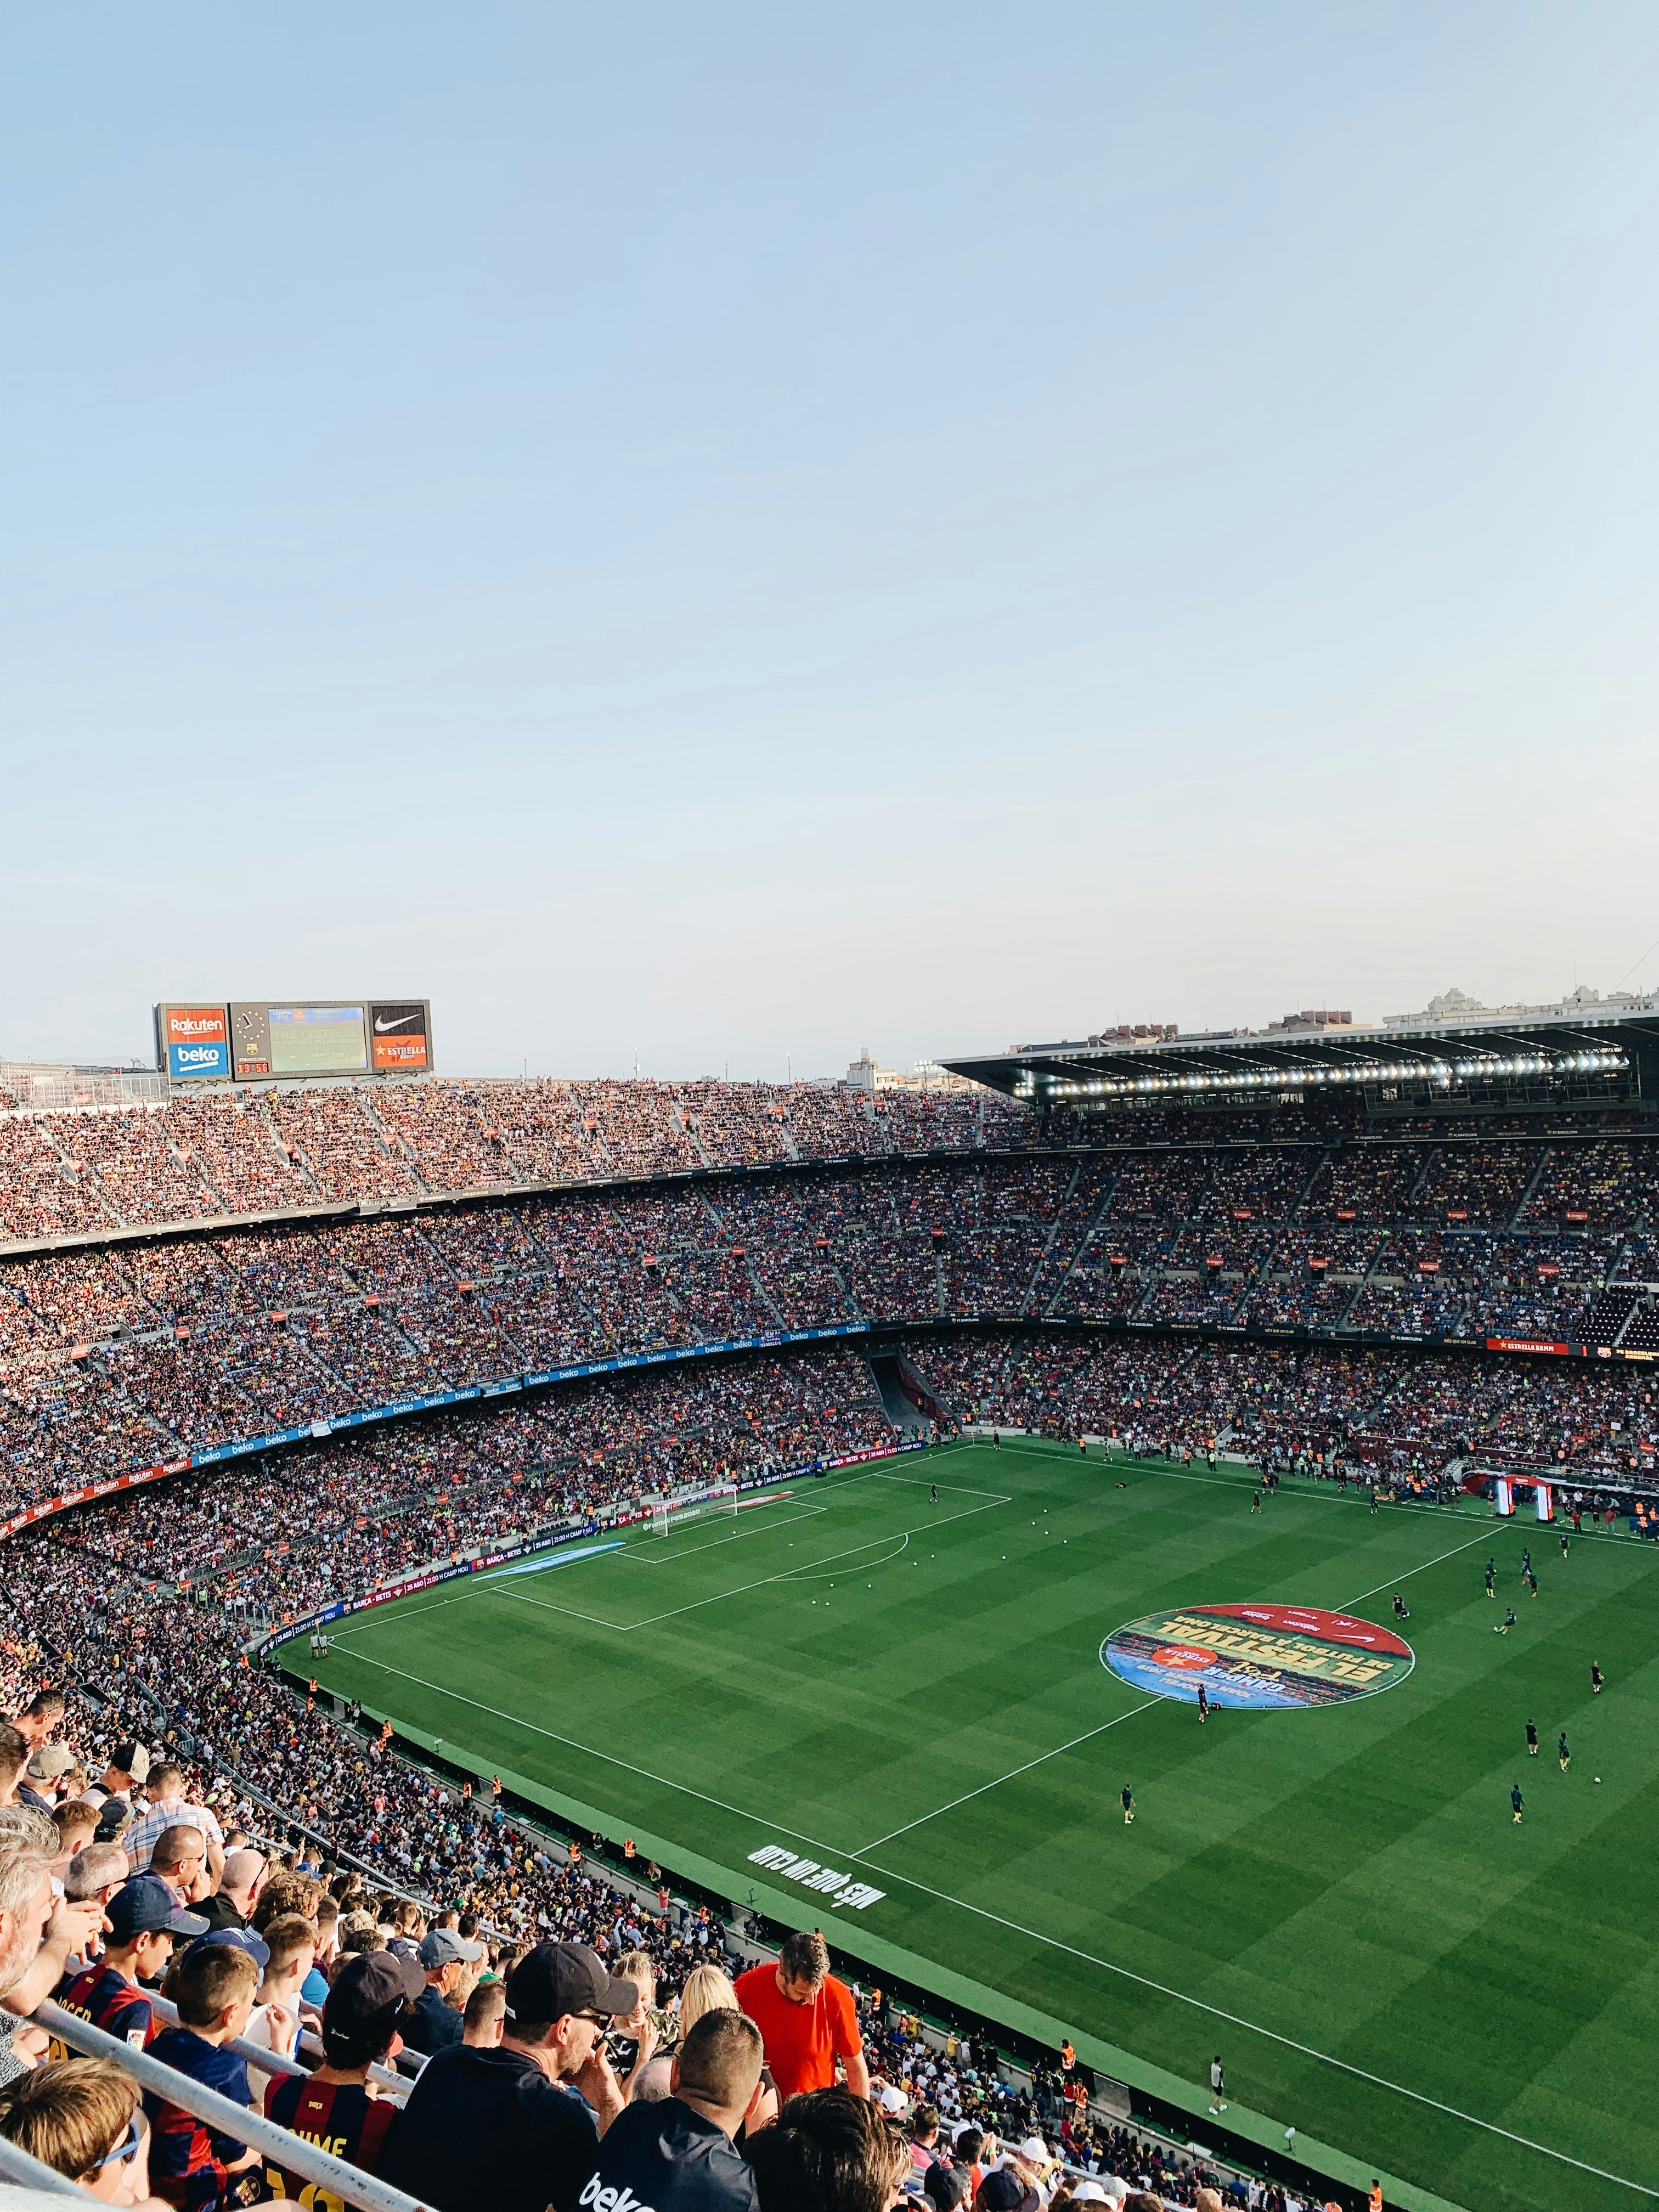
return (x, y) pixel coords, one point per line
(738, 533)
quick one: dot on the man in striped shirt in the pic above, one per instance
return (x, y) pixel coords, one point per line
(167, 1809)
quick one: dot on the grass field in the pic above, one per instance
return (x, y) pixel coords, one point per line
(1335, 1899)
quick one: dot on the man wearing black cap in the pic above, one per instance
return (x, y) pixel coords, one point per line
(336, 2107)
(501, 2128)
(433, 2025)
(145, 1920)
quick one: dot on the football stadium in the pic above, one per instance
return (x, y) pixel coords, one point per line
(607, 1606)
(1144, 1545)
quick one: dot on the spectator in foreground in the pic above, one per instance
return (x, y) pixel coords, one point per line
(38, 1933)
(339, 2106)
(231, 1904)
(830, 2151)
(43, 1713)
(807, 2018)
(485, 2017)
(444, 1956)
(80, 2117)
(128, 1770)
(498, 2128)
(178, 1858)
(145, 1922)
(192, 2165)
(677, 2155)
(274, 2022)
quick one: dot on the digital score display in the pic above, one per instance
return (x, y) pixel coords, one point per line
(318, 1041)
(294, 1040)
(253, 1039)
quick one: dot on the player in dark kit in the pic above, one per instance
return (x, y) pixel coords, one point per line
(1596, 1678)
(1127, 1798)
(1530, 1579)
(1203, 1703)
(1564, 1543)
(1516, 1803)
(1503, 1627)
(1401, 1611)
(1561, 1751)
(1532, 1739)
(933, 1493)
(1492, 1578)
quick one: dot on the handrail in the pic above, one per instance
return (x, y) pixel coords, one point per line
(274, 2061)
(17, 2166)
(237, 2121)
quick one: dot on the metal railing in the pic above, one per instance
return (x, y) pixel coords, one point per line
(275, 2062)
(238, 2121)
(23, 2172)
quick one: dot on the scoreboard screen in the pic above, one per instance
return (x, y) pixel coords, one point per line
(299, 1040)
(318, 1041)
(255, 1038)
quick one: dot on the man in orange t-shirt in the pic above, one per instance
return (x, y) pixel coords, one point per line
(806, 2018)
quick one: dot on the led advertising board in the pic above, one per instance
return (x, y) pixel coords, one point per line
(399, 1036)
(192, 1043)
(253, 1040)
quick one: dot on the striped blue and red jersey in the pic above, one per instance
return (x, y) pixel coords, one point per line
(189, 2161)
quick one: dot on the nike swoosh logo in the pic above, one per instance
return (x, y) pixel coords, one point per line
(402, 1022)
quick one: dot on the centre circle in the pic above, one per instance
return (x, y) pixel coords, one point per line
(1262, 1656)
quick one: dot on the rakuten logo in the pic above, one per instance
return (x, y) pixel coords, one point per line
(603, 2198)
(184, 1022)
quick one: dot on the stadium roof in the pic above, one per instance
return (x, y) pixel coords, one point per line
(1595, 1041)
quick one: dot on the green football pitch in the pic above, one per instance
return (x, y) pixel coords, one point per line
(911, 1696)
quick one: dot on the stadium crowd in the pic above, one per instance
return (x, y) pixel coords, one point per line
(126, 1354)
(201, 1803)
(389, 1897)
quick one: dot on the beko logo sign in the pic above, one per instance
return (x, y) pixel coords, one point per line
(197, 1040)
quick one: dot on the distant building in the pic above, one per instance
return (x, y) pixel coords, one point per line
(1456, 1006)
(863, 1074)
(1312, 1018)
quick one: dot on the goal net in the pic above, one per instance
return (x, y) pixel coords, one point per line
(660, 1520)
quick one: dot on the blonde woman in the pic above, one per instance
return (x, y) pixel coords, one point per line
(708, 1990)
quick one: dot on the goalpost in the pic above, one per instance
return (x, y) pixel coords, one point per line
(721, 1499)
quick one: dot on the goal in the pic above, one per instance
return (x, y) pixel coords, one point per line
(660, 1520)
